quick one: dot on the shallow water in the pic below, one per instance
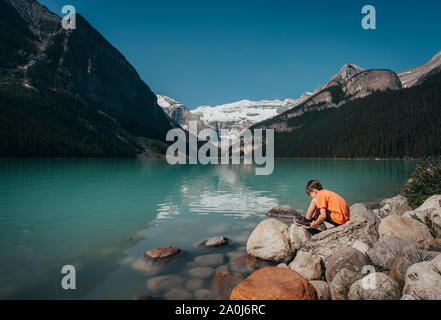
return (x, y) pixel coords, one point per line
(102, 215)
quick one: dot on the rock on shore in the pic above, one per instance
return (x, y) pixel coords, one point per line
(274, 284)
(401, 249)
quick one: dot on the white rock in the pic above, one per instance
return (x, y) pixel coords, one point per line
(404, 227)
(361, 246)
(330, 241)
(375, 286)
(270, 241)
(423, 280)
(307, 265)
(361, 212)
(396, 206)
(298, 236)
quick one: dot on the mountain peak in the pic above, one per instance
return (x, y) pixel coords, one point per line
(347, 71)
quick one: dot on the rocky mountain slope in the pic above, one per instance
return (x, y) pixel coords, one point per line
(410, 77)
(93, 100)
(179, 112)
(399, 123)
(352, 82)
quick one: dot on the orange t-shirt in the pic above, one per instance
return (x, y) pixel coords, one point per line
(332, 202)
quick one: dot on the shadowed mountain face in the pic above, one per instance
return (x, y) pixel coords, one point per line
(109, 104)
(390, 122)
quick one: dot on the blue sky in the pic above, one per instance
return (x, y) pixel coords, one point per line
(213, 52)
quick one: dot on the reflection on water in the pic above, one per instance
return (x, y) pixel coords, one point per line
(102, 215)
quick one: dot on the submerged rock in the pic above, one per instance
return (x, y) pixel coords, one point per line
(222, 285)
(247, 264)
(282, 212)
(164, 283)
(274, 284)
(270, 241)
(210, 260)
(215, 242)
(201, 272)
(202, 294)
(178, 294)
(194, 284)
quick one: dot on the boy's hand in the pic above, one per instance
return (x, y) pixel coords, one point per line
(313, 225)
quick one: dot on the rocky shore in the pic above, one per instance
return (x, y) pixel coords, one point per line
(389, 252)
(392, 252)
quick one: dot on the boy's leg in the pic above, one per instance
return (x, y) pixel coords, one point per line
(313, 211)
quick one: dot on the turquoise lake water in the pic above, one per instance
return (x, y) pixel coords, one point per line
(101, 216)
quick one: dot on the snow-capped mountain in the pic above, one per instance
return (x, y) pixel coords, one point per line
(243, 114)
(238, 115)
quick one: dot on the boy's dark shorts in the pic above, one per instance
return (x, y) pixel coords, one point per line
(328, 219)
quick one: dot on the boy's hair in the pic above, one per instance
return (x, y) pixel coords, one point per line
(313, 184)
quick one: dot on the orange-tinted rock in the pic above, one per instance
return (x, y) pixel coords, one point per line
(274, 284)
(163, 252)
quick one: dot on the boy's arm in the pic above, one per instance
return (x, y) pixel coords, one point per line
(320, 219)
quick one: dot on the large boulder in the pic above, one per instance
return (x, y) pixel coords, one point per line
(423, 280)
(404, 227)
(298, 236)
(222, 285)
(283, 212)
(375, 286)
(270, 241)
(394, 206)
(401, 263)
(361, 212)
(433, 204)
(346, 258)
(343, 280)
(307, 265)
(386, 249)
(274, 284)
(322, 288)
(330, 241)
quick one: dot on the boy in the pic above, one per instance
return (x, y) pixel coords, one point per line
(325, 206)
